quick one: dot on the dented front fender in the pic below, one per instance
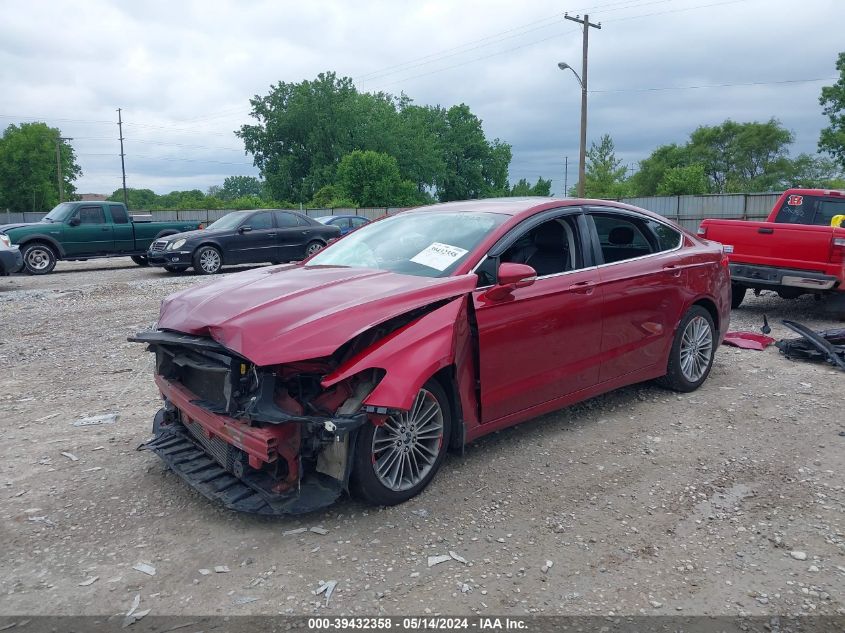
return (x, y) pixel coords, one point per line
(413, 354)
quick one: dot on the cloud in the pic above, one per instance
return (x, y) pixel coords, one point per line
(183, 73)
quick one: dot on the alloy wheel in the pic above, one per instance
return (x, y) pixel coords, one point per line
(313, 248)
(37, 259)
(406, 447)
(696, 348)
(210, 260)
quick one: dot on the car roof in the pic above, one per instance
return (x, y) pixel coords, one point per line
(525, 206)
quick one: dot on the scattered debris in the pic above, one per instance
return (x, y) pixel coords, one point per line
(465, 588)
(204, 572)
(134, 615)
(422, 513)
(294, 531)
(245, 600)
(327, 588)
(457, 557)
(42, 519)
(89, 581)
(655, 604)
(221, 569)
(70, 456)
(145, 568)
(106, 418)
(545, 568)
(92, 470)
(436, 560)
(318, 530)
(798, 555)
(748, 340)
(826, 345)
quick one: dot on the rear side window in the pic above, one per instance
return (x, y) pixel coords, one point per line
(621, 238)
(92, 215)
(356, 222)
(261, 221)
(118, 215)
(667, 238)
(285, 220)
(817, 210)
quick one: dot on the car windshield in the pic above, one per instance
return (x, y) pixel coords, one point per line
(228, 221)
(58, 213)
(421, 244)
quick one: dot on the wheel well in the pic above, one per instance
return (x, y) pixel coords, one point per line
(708, 305)
(42, 242)
(446, 378)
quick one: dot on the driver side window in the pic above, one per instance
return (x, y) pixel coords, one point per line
(550, 248)
(92, 215)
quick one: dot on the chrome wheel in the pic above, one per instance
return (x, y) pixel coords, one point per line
(696, 348)
(313, 248)
(210, 261)
(406, 447)
(38, 258)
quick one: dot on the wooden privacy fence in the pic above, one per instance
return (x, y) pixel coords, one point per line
(688, 211)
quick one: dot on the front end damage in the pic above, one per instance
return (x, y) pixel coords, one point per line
(279, 439)
(259, 440)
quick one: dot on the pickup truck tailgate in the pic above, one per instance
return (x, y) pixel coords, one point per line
(773, 244)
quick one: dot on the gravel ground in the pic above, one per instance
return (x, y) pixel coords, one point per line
(728, 500)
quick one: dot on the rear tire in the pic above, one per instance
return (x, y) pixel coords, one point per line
(38, 258)
(313, 248)
(207, 260)
(397, 460)
(141, 260)
(737, 295)
(692, 353)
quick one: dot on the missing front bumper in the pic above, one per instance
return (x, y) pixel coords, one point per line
(250, 492)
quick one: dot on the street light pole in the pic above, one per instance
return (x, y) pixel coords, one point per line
(582, 152)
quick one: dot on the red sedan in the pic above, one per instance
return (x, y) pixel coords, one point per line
(358, 368)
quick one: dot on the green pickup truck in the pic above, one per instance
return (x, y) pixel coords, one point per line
(85, 230)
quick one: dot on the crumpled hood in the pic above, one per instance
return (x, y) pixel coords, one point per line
(282, 314)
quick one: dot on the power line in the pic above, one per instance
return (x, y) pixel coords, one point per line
(729, 85)
(699, 6)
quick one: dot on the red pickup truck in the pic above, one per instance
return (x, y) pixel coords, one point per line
(798, 250)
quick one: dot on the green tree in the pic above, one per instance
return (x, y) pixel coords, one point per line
(137, 199)
(680, 181)
(605, 175)
(303, 131)
(525, 188)
(647, 179)
(240, 186)
(372, 179)
(832, 100)
(28, 176)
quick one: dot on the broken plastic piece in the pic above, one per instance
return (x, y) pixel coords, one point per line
(827, 345)
(318, 530)
(144, 568)
(327, 588)
(436, 560)
(106, 418)
(457, 557)
(748, 340)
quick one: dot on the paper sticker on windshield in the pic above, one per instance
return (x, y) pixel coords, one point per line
(439, 256)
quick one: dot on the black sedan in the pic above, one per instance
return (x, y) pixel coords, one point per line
(243, 237)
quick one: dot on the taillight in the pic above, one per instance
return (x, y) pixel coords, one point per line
(837, 250)
(702, 231)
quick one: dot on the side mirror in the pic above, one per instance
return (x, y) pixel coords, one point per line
(510, 277)
(75, 221)
(245, 229)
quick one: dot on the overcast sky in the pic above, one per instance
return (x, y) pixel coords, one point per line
(183, 72)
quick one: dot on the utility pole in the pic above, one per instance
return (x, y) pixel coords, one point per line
(122, 163)
(565, 176)
(582, 159)
(61, 181)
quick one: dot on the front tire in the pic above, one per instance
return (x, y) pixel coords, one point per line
(397, 460)
(38, 259)
(693, 349)
(141, 260)
(207, 260)
(737, 295)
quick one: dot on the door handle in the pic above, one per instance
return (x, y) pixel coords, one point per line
(674, 269)
(105, 229)
(766, 230)
(271, 235)
(583, 287)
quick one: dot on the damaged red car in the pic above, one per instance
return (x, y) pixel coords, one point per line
(360, 367)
